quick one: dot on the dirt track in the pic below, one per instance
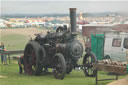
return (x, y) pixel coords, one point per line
(3, 76)
(120, 82)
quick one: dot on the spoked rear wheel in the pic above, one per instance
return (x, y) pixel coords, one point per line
(60, 66)
(31, 62)
(88, 61)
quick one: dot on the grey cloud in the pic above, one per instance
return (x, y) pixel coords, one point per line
(43, 7)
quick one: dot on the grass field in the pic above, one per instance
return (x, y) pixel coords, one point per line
(17, 40)
(76, 77)
(14, 41)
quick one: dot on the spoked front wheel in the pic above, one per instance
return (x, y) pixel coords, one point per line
(88, 61)
(60, 66)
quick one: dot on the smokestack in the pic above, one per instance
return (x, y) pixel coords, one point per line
(73, 19)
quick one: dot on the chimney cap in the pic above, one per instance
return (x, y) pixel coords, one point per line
(72, 9)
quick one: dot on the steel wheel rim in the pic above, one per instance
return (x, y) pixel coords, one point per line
(30, 59)
(89, 66)
(58, 70)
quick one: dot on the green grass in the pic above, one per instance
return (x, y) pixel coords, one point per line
(76, 77)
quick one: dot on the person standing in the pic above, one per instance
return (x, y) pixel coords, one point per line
(21, 64)
(3, 56)
(1, 49)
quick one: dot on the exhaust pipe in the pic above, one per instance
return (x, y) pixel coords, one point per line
(73, 20)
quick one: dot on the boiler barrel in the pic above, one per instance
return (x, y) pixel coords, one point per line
(73, 19)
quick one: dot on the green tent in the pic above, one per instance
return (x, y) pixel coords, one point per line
(97, 45)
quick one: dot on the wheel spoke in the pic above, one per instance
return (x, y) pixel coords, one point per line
(60, 66)
(88, 67)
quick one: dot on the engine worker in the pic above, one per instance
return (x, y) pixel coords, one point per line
(20, 63)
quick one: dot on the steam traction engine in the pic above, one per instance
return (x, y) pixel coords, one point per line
(59, 50)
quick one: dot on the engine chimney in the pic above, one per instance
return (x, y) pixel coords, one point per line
(73, 20)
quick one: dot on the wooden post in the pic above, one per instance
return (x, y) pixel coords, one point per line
(9, 59)
(96, 77)
(116, 76)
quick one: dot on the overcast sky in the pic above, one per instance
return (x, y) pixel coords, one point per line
(52, 6)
